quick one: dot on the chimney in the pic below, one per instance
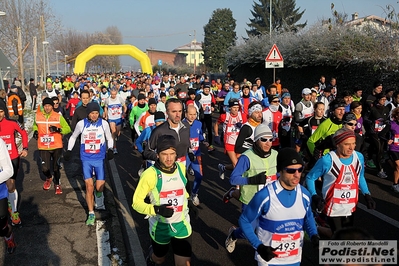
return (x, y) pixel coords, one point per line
(355, 16)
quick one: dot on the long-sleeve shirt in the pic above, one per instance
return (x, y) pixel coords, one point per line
(260, 204)
(323, 165)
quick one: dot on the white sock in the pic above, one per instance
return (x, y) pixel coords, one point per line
(13, 199)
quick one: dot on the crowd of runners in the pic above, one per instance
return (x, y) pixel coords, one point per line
(297, 168)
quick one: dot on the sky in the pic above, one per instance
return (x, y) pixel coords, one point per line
(167, 24)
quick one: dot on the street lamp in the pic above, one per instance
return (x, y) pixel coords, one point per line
(44, 61)
(65, 64)
(56, 59)
(195, 50)
(2, 13)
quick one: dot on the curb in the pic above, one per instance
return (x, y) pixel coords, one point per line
(134, 252)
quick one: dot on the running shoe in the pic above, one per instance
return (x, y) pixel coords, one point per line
(140, 171)
(91, 219)
(15, 220)
(221, 169)
(395, 188)
(99, 201)
(211, 148)
(47, 183)
(370, 164)
(230, 243)
(58, 190)
(382, 174)
(10, 243)
(226, 196)
(195, 199)
(191, 171)
(115, 151)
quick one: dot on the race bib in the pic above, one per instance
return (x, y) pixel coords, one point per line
(396, 140)
(286, 244)
(173, 197)
(194, 144)
(47, 139)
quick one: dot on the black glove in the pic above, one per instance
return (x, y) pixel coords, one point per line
(164, 211)
(54, 129)
(317, 154)
(315, 240)
(192, 210)
(302, 135)
(318, 202)
(192, 157)
(266, 252)
(35, 135)
(369, 202)
(238, 125)
(257, 179)
(216, 139)
(110, 154)
(67, 155)
(283, 132)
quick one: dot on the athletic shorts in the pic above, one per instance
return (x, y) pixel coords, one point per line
(162, 233)
(118, 122)
(98, 167)
(15, 166)
(228, 147)
(181, 247)
(394, 155)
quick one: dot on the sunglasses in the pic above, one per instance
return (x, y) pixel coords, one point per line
(275, 101)
(293, 170)
(266, 140)
(351, 124)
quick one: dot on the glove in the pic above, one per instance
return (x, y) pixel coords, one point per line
(54, 129)
(35, 135)
(283, 132)
(266, 252)
(67, 155)
(164, 211)
(192, 157)
(110, 154)
(192, 210)
(257, 179)
(315, 240)
(318, 202)
(217, 140)
(317, 154)
(369, 202)
(238, 125)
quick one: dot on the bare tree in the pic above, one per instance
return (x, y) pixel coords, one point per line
(26, 15)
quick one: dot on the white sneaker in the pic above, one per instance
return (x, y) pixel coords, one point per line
(395, 188)
(195, 199)
(99, 202)
(191, 171)
(221, 169)
(230, 244)
(140, 171)
(382, 174)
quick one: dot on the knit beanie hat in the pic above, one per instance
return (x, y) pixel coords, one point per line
(47, 100)
(92, 106)
(166, 142)
(287, 157)
(262, 130)
(343, 134)
(159, 116)
(348, 117)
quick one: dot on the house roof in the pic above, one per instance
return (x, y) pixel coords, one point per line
(375, 18)
(190, 46)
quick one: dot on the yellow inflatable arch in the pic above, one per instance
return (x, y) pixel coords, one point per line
(125, 49)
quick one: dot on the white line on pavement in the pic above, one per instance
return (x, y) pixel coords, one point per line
(132, 237)
(104, 250)
(379, 215)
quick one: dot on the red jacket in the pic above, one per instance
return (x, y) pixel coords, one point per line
(7, 133)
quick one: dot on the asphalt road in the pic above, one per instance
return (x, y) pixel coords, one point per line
(215, 217)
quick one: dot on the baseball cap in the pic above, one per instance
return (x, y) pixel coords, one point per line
(234, 103)
(306, 91)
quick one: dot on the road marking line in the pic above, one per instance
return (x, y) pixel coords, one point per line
(104, 249)
(379, 215)
(132, 238)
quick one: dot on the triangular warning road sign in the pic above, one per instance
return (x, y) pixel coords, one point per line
(274, 54)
